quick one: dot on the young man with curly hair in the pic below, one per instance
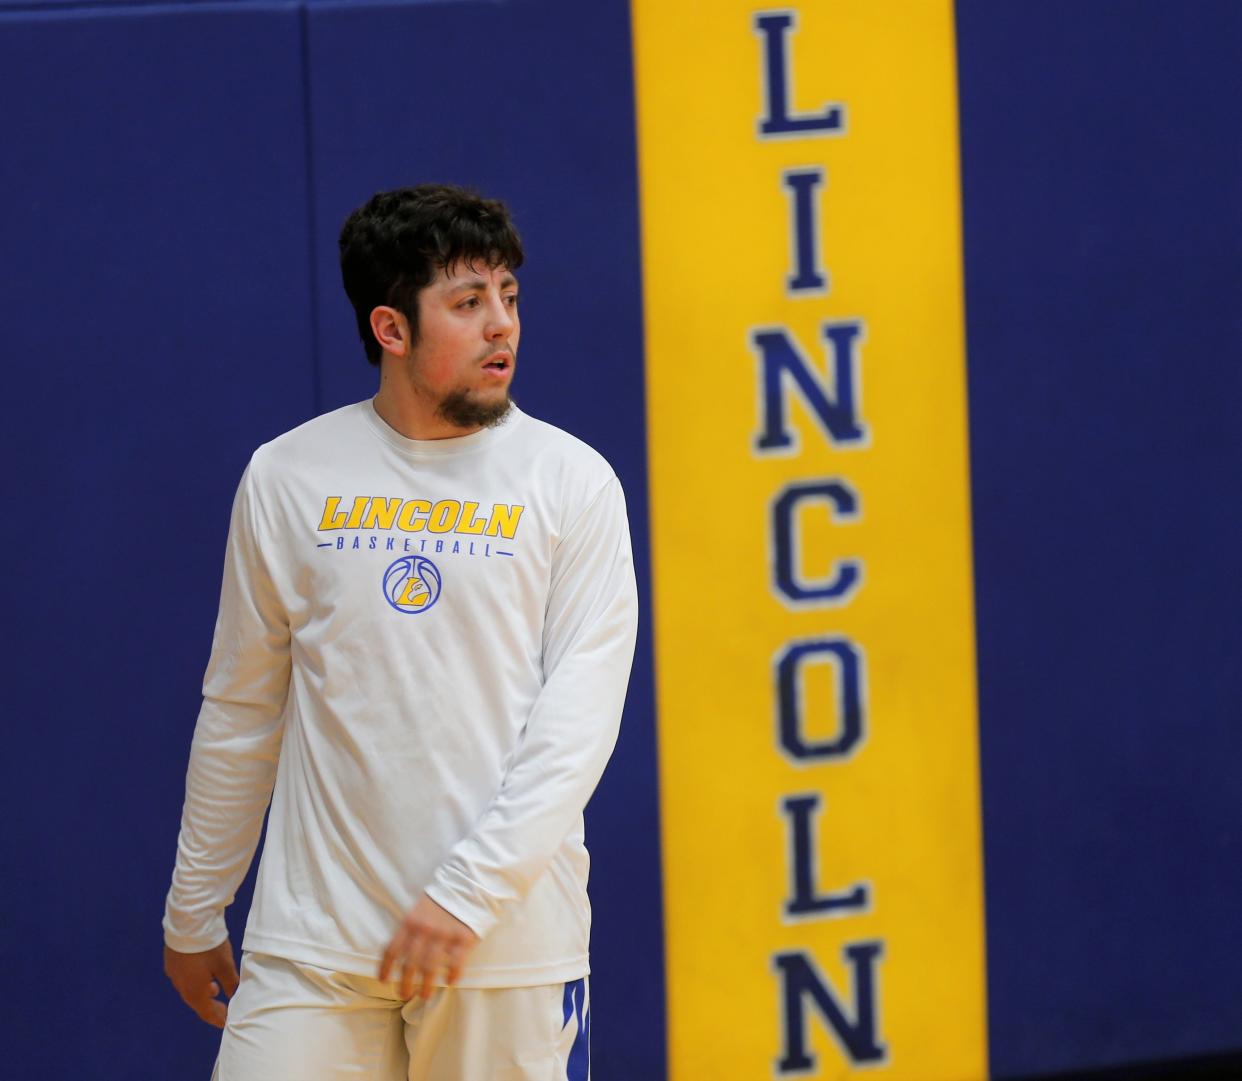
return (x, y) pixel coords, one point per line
(425, 633)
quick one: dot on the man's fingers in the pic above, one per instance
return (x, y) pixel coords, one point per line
(393, 955)
(209, 1009)
(422, 964)
(409, 973)
(215, 1013)
(228, 978)
(454, 961)
(408, 964)
(429, 965)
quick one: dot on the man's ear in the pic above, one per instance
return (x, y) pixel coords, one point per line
(391, 330)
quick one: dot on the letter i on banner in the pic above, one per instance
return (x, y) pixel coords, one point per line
(811, 539)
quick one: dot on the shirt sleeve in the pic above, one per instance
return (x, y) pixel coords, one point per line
(236, 740)
(588, 648)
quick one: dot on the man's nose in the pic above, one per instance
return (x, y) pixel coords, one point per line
(500, 323)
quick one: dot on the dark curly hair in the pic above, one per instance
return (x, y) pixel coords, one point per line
(396, 242)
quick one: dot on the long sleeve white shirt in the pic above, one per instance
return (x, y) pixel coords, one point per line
(423, 648)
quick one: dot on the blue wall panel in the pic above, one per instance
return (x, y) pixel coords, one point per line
(154, 326)
(531, 102)
(1102, 172)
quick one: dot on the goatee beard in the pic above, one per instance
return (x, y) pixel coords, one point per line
(462, 410)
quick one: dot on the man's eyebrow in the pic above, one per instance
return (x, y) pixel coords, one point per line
(479, 285)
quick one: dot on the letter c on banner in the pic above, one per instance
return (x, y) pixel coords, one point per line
(845, 582)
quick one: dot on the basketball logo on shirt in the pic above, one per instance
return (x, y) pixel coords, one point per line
(412, 584)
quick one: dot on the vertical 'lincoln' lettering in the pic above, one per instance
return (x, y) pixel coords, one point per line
(830, 398)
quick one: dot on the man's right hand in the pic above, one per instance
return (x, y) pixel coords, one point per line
(200, 977)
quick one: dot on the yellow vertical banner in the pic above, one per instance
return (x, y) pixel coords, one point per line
(810, 519)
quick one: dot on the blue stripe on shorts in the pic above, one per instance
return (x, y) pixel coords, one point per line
(579, 1066)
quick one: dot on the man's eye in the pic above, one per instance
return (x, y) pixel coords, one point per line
(511, 300)
(469, 302)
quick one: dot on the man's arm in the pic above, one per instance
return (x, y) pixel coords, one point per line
(588, 648)
(232, 763)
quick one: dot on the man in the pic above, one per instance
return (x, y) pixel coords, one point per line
(425, 634)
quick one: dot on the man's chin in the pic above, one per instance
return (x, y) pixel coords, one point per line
(464, 409)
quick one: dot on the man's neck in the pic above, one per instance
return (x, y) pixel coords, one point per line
(409, 415)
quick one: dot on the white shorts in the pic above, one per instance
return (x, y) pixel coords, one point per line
(294, 1022)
